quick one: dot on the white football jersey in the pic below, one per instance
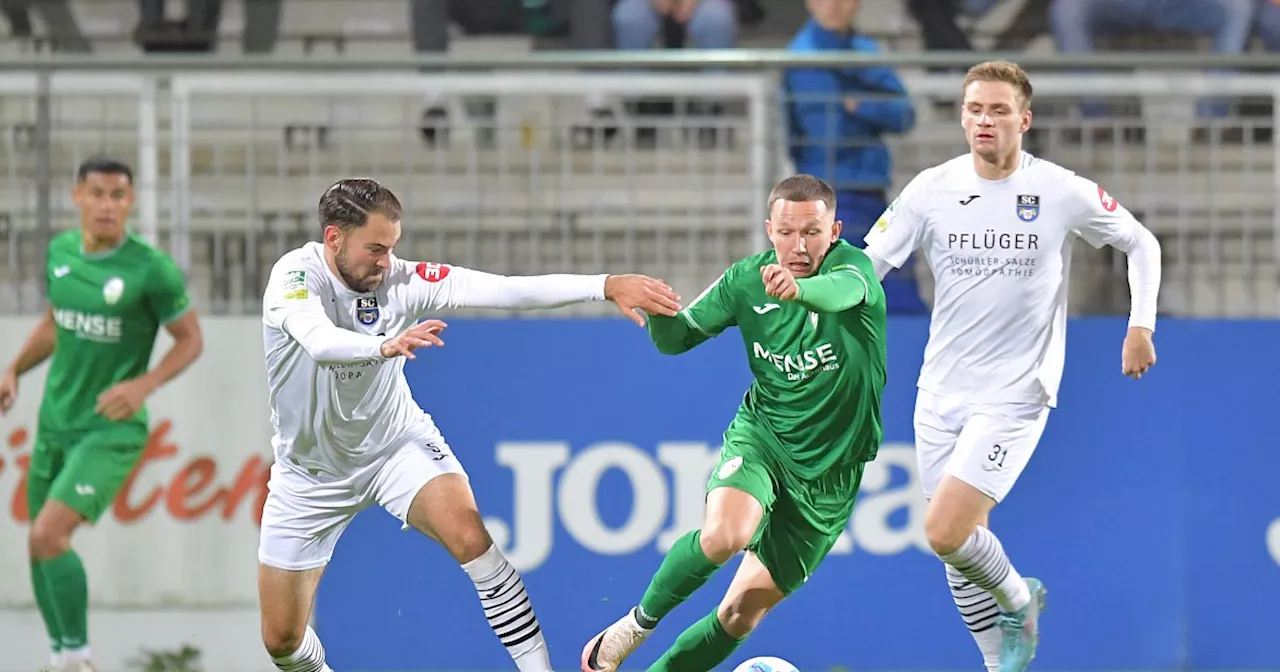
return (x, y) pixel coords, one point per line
(336, 403)
(1000, 253)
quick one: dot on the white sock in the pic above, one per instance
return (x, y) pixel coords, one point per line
(509, 611)
(56, 659)
(979, 610)
(308, 658)
(81, 653)
(981, 559)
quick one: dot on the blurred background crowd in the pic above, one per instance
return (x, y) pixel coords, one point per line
(842, 124)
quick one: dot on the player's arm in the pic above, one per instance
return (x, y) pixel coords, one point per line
(170, 303)
(900, 230)
(441, 286)
(842, 287)
(704, 318)
(37, 348)
(292, 304)
(1106, 222)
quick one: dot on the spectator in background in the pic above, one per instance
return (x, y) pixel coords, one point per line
(941, 31)
(709, 24)
(1075, 23)
(1269, 24)
(700, 24)
(836, 122)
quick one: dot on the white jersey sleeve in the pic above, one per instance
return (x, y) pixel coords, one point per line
(441, 286)
(292, 304)
(902, 228)
(1102, 220)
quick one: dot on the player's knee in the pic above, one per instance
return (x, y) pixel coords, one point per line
(468, 542)
(739, 619)
(721, 540)
(46, 542)
(946, 534)
(281, 640)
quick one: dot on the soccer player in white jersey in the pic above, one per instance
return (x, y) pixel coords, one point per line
(340, 317)
(996, 226)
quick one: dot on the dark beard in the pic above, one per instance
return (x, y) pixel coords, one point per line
(351, 281)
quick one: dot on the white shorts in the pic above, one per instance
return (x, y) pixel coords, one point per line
(304, 515)
(984, 445)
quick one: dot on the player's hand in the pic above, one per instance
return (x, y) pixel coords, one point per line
(8, 390)
(1138, 354)
(641, 292)
(421, 335)
(779, 283)
(122, 400)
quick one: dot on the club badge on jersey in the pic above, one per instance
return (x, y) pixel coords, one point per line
(367, 310)
(1028, 207)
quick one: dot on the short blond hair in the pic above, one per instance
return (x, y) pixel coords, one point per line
(1005, 72)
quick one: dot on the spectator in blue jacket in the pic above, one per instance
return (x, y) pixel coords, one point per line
(837, 117)
(836, 122)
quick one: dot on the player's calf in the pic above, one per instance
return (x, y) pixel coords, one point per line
(730, 522)
(445, 509)
(59, 581)
(951, 525)
(710, 641)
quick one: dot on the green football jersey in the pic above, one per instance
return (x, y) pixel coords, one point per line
(108, 308)
(819, 376)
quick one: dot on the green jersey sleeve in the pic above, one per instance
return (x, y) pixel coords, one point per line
(705, 317)
(166, 290)
(841, 284)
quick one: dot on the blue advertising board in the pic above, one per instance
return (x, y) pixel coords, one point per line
(1150, 510)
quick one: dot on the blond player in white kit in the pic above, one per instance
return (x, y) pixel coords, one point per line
(996, 226)
(339, 320)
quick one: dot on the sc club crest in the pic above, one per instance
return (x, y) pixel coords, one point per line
(1028, 207)
(367, 310)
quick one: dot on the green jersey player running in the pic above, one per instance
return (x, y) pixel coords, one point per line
(812, 316)
(109, 294)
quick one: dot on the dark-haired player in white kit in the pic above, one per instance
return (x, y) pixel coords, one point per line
(997, 225)
(340, 317)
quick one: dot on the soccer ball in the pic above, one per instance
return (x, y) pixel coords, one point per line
(766, 664)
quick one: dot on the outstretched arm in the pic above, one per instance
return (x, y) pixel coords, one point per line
(705, 317)
(440, 286)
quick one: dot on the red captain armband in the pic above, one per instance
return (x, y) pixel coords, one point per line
(433, 272)
(1109, 203)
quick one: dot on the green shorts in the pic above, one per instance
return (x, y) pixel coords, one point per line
(802, 518)
(85, 472)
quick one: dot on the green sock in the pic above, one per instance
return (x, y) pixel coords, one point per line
(68, 597)
(703, 646)
(47, 610)
(683, 571)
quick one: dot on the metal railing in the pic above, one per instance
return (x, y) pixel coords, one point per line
(229, 162)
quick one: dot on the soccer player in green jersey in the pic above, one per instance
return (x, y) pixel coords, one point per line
(811, 313)
(109, 294)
